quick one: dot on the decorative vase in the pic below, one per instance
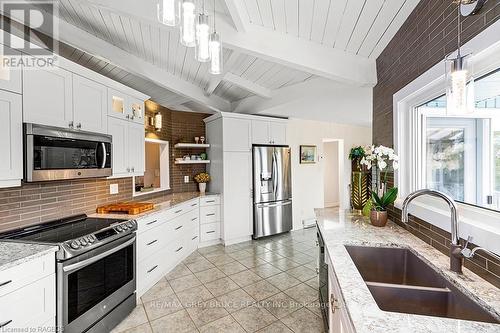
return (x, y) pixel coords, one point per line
(203, 187)
(360, 190)
(378, 218)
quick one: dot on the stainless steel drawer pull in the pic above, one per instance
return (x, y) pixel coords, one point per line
(194, 219)
(211, 214)
(194, 237)
(149, 223)
(5, 283)
(179, 249)
(178, 227)
(210, 232)
(210, 201)
(152, 242)
(178, 211)
(152, 269)
(5, 323)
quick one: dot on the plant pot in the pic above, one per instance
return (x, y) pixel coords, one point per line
(202, 187)
(360, 191)
(378, 218)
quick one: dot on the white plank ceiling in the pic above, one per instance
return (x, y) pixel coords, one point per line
(357, 27)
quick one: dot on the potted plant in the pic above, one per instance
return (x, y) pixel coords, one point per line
(356, 155)
(360, 179)
(202, 179)
(378, 214)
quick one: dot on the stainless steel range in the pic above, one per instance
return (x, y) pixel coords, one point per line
(96, 274)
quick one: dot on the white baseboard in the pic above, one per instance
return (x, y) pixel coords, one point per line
(236, 240)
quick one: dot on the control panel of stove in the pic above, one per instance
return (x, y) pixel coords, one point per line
(89, 240)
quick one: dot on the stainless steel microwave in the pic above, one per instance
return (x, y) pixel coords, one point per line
(53, 153)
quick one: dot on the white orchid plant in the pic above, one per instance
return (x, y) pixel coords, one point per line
(385, 159)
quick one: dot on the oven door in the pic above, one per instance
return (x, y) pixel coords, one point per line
(54, 154)
(91, 285)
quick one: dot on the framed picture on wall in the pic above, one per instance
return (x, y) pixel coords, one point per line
(307, 154)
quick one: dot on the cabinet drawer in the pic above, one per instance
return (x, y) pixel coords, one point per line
(150, 242)
(30, 306)
(21, 275)
(210, 231)
(209, 214)
(210, 200)
(149, 221)
(150, 270)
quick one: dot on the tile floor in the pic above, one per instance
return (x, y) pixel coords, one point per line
(269, 285)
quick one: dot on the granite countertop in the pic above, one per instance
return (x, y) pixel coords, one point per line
(16, 253)
(343, 228)
(166, 202)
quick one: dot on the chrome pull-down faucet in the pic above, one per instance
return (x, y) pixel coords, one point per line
(456, 255)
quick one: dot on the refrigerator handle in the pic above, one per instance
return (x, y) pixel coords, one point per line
(275, 173)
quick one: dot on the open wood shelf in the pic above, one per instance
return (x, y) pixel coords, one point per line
(192, 145)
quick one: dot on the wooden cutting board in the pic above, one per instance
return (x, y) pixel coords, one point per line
(130, 208)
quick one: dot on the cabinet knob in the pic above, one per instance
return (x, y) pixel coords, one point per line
(334, 303)
(79, 125)
(71, 124)
(127, 116)
(133, 169)
(132, 117)
(128, 169)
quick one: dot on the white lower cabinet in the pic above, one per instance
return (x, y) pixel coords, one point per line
(339, 320)
(30, 287)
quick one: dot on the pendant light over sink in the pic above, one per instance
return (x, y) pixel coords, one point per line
(187, 28)
(202, 37)
(459, 72)
(215, 51)
(168, 12)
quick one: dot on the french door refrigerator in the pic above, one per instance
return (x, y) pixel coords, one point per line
(272, 190)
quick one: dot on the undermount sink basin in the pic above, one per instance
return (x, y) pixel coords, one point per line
(400, 281)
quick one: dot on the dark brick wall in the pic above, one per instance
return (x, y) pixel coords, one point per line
(33, 203)
(428, 34)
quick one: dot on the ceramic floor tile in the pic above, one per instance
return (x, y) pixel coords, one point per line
(160, 289)
(235, 300)
(194, 295)
(192, 257)
(232, 248)
(178, 322)
(261, 290)
(283, 281)
(221, 286)
(276, 327)
(209, 275)
(184, 283)
(210, 249)
(314, 283)
(144, 328)
(179, 271)
(265, 271)
(223, 325)
(253, 318)
(284, 264)
(315, 307)
(302, 293)
(280, 305)
(162, 306)
(240, 254)
(245, 278)
(216, 253)
(232, 268)
(304, 320)
(200, 265)
(270, 256)
(302, 273)
(221, 259)
(134, 319)
(206, 312)
(301, 258)
(251, 262)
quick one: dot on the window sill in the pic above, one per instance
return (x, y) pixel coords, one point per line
(138, 194)
(481, 224)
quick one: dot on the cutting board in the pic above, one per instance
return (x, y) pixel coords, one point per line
(130, 208)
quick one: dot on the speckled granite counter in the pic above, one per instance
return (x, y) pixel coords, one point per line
(162, 203)
(14, 253)
(342, 228)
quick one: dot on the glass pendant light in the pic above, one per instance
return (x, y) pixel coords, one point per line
(215, 46)
(459, 79)
(187, 26)
(168, 12)
(202, 50)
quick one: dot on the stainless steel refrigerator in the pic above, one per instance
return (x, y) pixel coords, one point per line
(272, 190)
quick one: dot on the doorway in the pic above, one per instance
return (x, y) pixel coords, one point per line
(331, 172)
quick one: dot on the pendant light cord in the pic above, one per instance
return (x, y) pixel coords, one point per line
(459, 30)
(214, 16)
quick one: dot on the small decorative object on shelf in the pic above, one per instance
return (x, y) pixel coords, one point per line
(382, 159)
(202, 139)
(203, 156)
(202, 179)
(196, 139)
(360, 179)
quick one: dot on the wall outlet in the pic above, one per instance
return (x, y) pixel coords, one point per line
(113, 189)
(186, 179)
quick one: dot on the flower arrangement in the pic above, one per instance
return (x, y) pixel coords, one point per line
(202, 177)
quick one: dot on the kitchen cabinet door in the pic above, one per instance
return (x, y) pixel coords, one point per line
(136, 109)
(260, 132)
(136, 148)
(89, 105)
(118, 104)
(47, 97)
(238, 222)
(237, 134)
(277, 132)
(10, 77)
(118, 129)
(11, 139)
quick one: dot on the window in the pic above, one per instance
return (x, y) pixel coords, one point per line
(461, 155)
(157, 172)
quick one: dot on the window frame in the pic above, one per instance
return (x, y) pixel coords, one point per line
(480, 223)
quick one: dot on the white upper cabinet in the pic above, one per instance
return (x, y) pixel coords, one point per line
(118, 129)
(136, 148)
(89, 105)
(136, 108)
(237, 134)
(124, 106)
(11, 139)
(260, 132)
(277, 132)
(10, 78)
(47, 97)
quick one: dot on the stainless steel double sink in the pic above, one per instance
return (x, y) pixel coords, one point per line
(400, 281)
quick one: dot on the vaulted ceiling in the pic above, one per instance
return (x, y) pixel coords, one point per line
(268, 45)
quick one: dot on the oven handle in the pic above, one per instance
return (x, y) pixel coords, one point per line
(98, 257)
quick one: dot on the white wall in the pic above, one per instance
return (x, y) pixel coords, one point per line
(331, 173)
(308, 179)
